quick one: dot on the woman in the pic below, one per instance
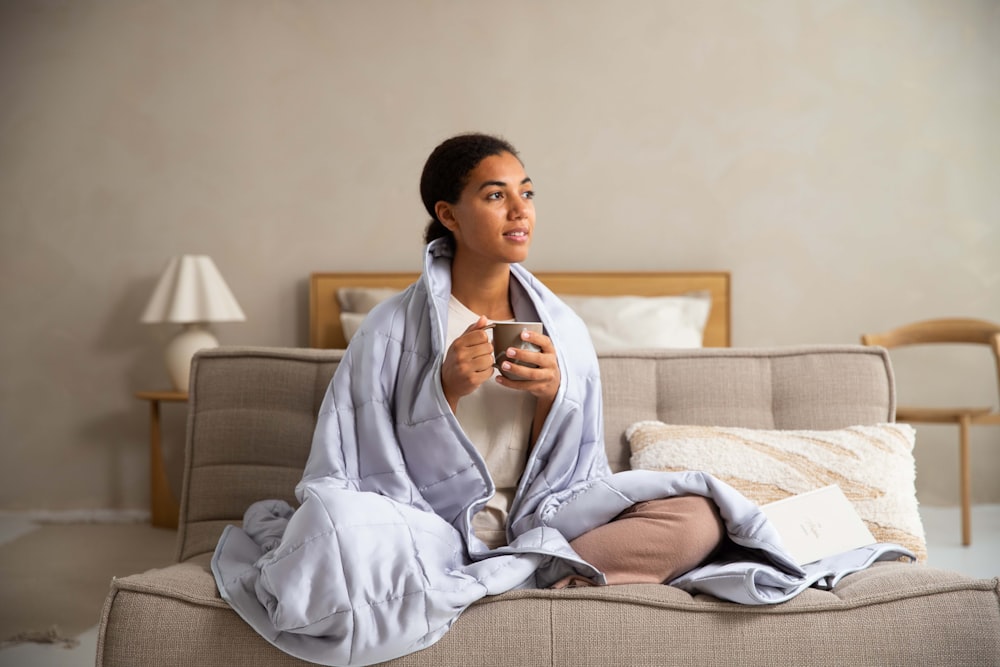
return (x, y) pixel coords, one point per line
(481, 201)
(433, 480)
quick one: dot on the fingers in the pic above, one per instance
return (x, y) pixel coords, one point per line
(468, 362)
(474, 353)
(534, 373)
(478, 324)
(475, 358)
(475, 337)
(544, 356)
(542, 381)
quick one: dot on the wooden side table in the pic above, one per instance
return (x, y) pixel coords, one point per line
(164, 508)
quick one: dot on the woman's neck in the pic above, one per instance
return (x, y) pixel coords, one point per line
(482, 288)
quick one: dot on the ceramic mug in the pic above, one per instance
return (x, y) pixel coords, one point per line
(508, 334)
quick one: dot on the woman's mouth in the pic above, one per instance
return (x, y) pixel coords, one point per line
(519, 235)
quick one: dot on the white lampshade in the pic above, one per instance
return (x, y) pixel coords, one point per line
(191, 292)
(191, 289)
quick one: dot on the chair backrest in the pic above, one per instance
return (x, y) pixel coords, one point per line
(953, 330)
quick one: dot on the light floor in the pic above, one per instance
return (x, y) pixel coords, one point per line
(981, 560)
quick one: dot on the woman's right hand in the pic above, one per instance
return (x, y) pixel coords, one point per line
(468, 363)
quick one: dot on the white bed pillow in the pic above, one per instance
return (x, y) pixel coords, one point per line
(629, 322)
(363, 299)
(614, 322)
(350, 322)
(355, 302)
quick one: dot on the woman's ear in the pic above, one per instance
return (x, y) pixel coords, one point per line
(446, 214)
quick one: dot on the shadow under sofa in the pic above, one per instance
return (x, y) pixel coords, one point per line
(250, 425)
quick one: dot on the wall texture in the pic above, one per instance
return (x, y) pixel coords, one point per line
(840, 157)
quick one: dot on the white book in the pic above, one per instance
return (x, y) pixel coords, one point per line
(817, 524)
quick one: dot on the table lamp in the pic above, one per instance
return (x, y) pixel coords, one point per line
(191, 292)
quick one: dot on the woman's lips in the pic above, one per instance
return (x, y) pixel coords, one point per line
(518, 235)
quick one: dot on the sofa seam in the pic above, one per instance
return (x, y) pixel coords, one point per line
(248, 464)
(303, 354)
(105, 621)
(552, 632)
(771, 390)
(977, 586)
(189, 430)
(741, 352)
(172, 595)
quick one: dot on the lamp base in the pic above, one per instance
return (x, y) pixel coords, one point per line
(181, 348)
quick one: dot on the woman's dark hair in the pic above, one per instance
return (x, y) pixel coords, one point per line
(446, 173)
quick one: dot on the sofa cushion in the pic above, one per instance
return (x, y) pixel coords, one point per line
(873, 465)
(151, 612)
(782, 388)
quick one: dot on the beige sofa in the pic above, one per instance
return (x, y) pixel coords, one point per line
(252, 412)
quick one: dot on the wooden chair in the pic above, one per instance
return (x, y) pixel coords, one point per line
(948, 331)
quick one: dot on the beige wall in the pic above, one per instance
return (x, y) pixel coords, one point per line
(841, 158)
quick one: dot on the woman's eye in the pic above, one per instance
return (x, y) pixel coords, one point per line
(528, 194)
(494, 195)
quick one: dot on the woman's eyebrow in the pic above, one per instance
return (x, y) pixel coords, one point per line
(501, 184)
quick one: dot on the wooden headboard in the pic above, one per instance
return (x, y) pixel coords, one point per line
(324, 309)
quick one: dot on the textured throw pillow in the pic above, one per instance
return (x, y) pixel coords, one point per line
(630, 322)
(873, 465)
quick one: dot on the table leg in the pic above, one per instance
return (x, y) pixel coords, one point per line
(965, 478)
(163, 508)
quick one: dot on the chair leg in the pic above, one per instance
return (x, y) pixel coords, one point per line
(965, 478)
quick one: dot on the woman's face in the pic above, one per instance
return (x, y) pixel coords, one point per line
(494, 217)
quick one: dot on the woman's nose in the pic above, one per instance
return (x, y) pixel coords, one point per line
(517, 209)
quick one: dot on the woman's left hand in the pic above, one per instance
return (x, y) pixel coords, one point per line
(542, 382)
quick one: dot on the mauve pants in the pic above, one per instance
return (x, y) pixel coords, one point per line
(651, 542)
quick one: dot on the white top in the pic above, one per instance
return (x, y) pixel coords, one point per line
(498, 422)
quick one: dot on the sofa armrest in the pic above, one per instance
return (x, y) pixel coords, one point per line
(250, 426)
